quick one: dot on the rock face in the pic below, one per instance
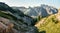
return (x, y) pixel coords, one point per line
(43, 10)
(13, 20)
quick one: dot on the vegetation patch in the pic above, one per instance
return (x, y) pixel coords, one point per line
(51, 25)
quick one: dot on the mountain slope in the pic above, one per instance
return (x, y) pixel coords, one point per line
(49, 24)
(14, 21)
(15, 12)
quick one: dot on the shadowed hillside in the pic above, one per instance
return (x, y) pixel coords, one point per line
(14, 21)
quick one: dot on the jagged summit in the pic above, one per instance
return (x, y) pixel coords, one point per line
(43, 10)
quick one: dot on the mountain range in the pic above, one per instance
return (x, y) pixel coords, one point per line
(43, 10)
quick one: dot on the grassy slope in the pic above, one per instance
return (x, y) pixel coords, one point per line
(51, 25)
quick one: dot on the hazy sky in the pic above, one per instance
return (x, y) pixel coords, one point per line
(26, 3)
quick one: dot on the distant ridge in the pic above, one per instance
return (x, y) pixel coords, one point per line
(43, 10)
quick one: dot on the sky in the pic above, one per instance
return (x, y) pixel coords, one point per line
(32, 3)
